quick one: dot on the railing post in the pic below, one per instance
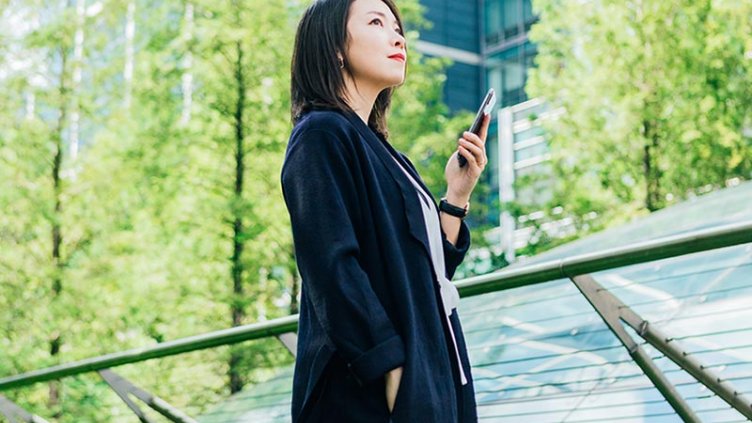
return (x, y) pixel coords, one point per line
(670, 348)
(290, 341)
(16, 414)
(123, 387)
(614, 312)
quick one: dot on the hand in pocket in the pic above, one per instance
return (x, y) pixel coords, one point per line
(393, 379)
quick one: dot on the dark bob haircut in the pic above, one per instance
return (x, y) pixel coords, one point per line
(317, 79)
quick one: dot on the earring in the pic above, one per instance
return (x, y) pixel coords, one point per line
(341, 63)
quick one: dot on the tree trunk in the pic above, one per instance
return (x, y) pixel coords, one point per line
(650, 167)
(238, 309)
(57, 235)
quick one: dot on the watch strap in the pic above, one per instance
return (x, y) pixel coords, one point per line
(453, 210)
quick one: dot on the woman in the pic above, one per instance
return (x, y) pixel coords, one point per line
(379, 338)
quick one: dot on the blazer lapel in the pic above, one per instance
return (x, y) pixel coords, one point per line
(414, 211)
(409, 167)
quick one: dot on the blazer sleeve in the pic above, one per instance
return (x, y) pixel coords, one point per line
(322, 199)
(453, 253)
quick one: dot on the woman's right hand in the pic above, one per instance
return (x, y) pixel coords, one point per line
(392, 386)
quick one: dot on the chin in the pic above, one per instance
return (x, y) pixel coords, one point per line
(396, 81)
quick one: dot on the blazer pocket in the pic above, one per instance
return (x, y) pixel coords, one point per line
(318, 379)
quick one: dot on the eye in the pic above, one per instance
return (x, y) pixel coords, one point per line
(398, 29)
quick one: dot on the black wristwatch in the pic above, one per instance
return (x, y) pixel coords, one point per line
(453, 210)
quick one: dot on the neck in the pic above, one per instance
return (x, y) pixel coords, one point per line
(360, 98)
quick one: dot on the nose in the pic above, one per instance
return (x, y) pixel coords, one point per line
(399, 40)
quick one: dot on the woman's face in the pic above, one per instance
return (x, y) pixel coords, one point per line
(374, 36)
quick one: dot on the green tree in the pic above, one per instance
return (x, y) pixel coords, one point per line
(242, 52)
(35, 152)
(655, 98)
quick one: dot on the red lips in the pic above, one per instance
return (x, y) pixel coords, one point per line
(398, 56)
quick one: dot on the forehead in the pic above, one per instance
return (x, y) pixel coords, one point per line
(365, 7)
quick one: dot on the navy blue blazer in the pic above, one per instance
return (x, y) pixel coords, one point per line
(369, 299)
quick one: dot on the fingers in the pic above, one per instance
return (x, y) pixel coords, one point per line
(475, 145)
(484, 126)
(473, 148)
(475, 139)
(471, 159)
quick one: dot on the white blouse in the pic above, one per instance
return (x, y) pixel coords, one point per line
(449, 294)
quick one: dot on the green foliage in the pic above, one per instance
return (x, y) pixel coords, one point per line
(656, 101)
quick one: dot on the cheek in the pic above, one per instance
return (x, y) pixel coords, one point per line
(364, 44)
(362, 59)
(362, 54)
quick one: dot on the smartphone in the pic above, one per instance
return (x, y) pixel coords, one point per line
(485, 108)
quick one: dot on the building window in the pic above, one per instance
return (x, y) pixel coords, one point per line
(507, 19)
(528, 19)
(507, 73)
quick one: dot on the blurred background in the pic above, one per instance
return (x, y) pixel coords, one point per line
(141, 144)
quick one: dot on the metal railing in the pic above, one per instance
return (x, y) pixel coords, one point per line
(569, 268)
